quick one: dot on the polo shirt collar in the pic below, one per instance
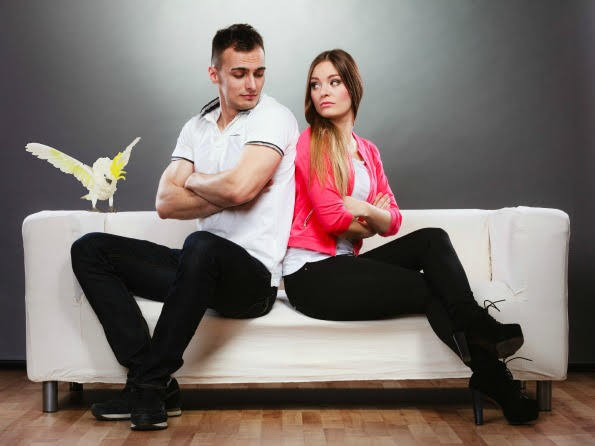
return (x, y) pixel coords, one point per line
(212, 109)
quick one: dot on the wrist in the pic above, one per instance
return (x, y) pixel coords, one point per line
(366, 210)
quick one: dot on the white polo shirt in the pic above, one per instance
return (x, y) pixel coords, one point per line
(262, 228)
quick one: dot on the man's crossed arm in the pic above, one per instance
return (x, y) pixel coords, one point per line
(242, 183)
(184, 194)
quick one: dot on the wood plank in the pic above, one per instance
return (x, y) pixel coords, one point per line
(385, 413)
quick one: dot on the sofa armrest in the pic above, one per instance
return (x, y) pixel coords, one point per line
(52, 293)
(529, 253)
(57, 342)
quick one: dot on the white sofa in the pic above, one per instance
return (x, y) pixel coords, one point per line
(518, 254)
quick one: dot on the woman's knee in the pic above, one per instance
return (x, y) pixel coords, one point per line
(435, 235)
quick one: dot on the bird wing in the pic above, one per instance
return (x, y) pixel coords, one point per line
(65, 163)
(121, 159)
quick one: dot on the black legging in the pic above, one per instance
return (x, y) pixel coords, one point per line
(387, 282)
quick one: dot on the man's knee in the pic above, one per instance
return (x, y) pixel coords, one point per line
(85, 245)
(201, 246)
(200, 239)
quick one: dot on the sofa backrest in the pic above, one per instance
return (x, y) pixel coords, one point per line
(468, 231)
(467, 228)
(146, 225)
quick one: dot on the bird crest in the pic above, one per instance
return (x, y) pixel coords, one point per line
(120, 160)
(117, 166)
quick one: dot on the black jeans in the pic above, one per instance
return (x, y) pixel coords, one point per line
(386, 282)
(208, 272)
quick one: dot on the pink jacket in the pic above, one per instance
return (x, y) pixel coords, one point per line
(319, 214)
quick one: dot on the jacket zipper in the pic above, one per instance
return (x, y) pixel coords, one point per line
(308, 217)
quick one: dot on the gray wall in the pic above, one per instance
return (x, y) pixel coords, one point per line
(474, 104)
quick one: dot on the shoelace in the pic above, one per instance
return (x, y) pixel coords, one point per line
(491, 304)
(509, 373)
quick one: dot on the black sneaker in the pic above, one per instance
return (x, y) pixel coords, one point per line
(120, 407)
(147, 410)
(173, 397)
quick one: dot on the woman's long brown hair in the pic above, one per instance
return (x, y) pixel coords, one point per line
(327, 146)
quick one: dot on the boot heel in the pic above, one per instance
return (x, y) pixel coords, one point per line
(477, 407)
(462, 346)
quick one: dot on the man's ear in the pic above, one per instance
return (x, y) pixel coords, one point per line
(213, 75)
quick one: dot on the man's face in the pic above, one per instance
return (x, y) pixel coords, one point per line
(240, 77)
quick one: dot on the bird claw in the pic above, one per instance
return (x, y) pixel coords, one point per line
(94, 210)
(111, 209)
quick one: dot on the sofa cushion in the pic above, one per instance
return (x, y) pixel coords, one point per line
(467, 229)
(287, 346)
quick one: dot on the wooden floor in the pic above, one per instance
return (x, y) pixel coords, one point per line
(379, 413)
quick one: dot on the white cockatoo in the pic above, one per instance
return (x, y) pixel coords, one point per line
(100, 179)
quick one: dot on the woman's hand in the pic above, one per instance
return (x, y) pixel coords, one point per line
(361, 208)
(382, 201)
(358, 230)
(356, 207)
(376, 215)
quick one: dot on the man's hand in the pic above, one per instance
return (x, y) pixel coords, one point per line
(248, 205)
(173, 200)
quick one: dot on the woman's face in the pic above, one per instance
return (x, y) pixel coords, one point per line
(328, 92)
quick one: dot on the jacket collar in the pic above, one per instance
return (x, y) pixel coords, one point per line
(362, 148)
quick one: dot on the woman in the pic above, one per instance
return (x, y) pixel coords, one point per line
(342, 197)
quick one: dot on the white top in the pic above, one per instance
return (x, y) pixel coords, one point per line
(263, 228)
(298, 257)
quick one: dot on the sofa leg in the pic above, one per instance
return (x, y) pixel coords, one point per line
(50, 396)
(76, 387)
(544, 396)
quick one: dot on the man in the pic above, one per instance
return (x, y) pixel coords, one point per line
(232, 168)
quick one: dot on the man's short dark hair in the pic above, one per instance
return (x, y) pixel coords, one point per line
(241, 37)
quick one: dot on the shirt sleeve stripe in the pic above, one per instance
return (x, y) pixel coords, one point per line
(175, 158)
(267, 144)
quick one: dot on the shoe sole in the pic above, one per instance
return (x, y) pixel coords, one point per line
(176, 412)
(149, 427)
(112, 416)
(502, 349)
(509, 347)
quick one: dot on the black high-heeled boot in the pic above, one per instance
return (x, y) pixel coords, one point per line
(494, 380)
(480, 329)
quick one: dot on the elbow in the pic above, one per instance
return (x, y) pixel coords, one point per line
(161, 208)
(162, 214)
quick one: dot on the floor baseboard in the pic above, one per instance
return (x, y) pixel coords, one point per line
(13, 364)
